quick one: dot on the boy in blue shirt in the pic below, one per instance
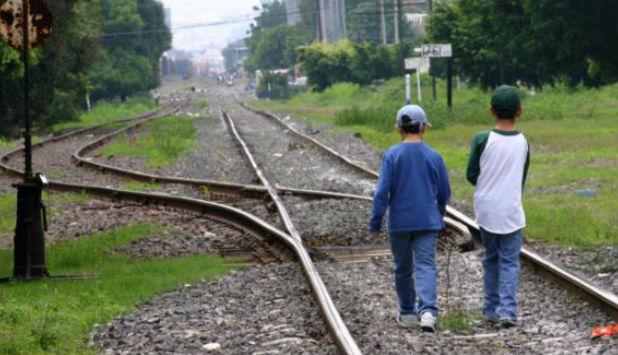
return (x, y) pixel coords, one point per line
(414, 186)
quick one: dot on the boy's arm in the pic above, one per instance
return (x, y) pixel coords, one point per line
(474, 161)
(380, 199)
(444, 187)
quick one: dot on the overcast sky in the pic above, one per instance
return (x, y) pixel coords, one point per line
(189, 12)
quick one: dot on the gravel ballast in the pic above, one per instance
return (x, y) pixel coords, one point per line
(266, 310)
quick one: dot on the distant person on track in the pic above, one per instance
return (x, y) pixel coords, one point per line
(498, 167)
(414, 187)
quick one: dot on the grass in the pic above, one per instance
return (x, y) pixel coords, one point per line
(8, 205)
(140, 186)
(458, 321)
(202, 104)
(5, 143)
(108, 111)
(573, 136)
(57, 316)
(163, 142)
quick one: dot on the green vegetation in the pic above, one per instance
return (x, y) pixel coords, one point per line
(8, 203)
(140, 186)
(107, 111)
(326, 64)
(57, 316)
(5, 143)
(164, 141)
(202, 104)
(82, 57)
(458, 321)
(573, 136)
(535, 42)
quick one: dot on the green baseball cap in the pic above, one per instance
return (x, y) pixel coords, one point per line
(505, 101)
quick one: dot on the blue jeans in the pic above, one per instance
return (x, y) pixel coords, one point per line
(501, 273)
(418, 248)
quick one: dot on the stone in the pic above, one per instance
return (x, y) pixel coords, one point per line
(211, 347)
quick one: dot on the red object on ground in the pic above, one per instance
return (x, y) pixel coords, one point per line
(133, 140)
(604, 332)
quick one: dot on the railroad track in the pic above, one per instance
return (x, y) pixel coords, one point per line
(259, 228)
(218, 212)
(580, 287)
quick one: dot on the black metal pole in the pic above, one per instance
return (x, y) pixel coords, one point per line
(449, 81)
(29, 242)
(26, 58)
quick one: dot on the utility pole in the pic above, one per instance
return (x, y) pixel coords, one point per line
(344, 20)
(383, 23)
(318, 20)
(396, 4)
(431, 68)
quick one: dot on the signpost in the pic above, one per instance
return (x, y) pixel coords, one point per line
(417, 64)
(441, 50)
(26, 24)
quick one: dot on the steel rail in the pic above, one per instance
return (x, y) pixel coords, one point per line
(19, 173)
(239, 218)
(338, 328)
(597, 296)
(274, 195)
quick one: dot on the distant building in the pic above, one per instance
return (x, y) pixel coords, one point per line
(168, 17)
(293, 10)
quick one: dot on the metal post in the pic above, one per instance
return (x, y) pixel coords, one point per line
(418, 85)
(449, 81)
(433, 86)
(29, 242)
(26, 58)
(383, 23)
(433, 74)
(408, 90)
(397, 35)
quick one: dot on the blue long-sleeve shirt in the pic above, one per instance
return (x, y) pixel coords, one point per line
(414, 186)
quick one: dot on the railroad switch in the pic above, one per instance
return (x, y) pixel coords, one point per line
(30, 230)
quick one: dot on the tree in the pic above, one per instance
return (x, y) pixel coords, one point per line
(277, 48)
(135, 37)
(59, 69)
(534, 42)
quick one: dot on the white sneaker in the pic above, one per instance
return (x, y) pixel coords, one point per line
(407, 320)
(428, 322)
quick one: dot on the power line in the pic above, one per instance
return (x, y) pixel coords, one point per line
(224, 22)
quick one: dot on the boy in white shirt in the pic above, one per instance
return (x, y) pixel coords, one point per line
(498, 167)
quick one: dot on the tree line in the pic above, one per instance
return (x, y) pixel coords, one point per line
(104, 48)
(527, 42)
(532, 42)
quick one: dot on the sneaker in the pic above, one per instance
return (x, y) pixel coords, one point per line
(407, 320)
(508, 323)
(428, 322)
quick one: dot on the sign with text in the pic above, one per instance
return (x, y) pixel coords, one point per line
(416, 63)
(435, 50)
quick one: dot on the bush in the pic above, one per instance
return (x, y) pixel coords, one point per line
(326, 64)
(273, 86)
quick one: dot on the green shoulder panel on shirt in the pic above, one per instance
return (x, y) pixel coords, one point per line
(476, 150)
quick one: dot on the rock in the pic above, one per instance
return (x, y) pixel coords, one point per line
(211, 347)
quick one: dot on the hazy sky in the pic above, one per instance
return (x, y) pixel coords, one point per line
(189, 12)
